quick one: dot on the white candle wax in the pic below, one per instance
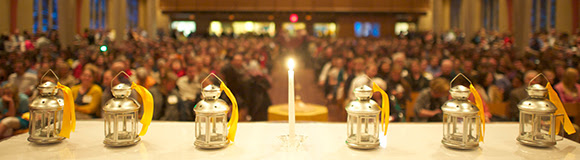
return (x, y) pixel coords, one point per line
(291, 111)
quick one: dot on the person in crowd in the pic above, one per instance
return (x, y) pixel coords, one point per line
(518, 94)
(447, 69)
(168, 103)
(568, 88)
(12, 106)
(64, 74)
(416, 78)
(236, 78)
(398, 87)
(485, 85)
(434, 68)
(500, 79)
(384, 68)
(358, 70)
(260, 84)
(25, 81)
(190, 88)
(144, 79)
(429, 102)
(334, 79)
(87, 95)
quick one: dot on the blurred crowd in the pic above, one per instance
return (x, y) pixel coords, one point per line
(173, 66)
(423, 64)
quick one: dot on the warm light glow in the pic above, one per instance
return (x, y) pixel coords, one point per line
(249, 26)
(187, 27)
(215, 27)
(293, 18)
(291, 63)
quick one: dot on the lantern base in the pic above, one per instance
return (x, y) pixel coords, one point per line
(542, 144)
(112, 143)
(462, 146)
(204, 145)
(46, 140)
(366, 141)
(363, 146)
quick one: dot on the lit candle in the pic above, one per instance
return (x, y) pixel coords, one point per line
(291, 111)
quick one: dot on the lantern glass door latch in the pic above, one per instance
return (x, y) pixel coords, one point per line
(363, 120)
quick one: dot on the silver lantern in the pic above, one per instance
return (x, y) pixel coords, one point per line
(120, 114)
(51, 117)
(46, 115)
(211, 119)
(537, 118)
(363, 120)
(461, 122)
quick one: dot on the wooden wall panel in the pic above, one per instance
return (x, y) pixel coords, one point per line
(265, 5)
(303, 5)
(342, 5)
(246, 5)
(383, 6)
(323, 5)
(225, 5)
(362, 5)
(282, 5)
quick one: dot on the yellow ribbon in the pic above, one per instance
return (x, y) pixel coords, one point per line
(147, 106)
(553, 96)
(69, 117)
(384, 107)
(481, 112)
(233, 123)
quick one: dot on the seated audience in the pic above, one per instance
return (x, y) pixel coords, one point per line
(87, 95)
(430, 100)
(568, 88)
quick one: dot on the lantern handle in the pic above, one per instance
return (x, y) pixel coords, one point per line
(206, 78)
(49, 70)
(540, 74)
(112, 80)
(460, 74)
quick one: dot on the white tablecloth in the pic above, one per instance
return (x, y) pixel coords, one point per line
(174, 140)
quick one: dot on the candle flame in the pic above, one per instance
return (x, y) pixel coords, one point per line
(291, 63)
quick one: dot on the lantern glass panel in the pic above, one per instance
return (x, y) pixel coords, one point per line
(473, 129)
(526, 121)
(461, 129)
(219, 128)
(46, 123)
(121, 126)
(536, 127)
(364, 132)
(354, 128)
(202, 126)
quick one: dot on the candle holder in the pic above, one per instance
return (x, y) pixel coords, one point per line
(212, 131)
(121, 115)
(462, 124)
(52, 118)
(291, 142)
(540, 118)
